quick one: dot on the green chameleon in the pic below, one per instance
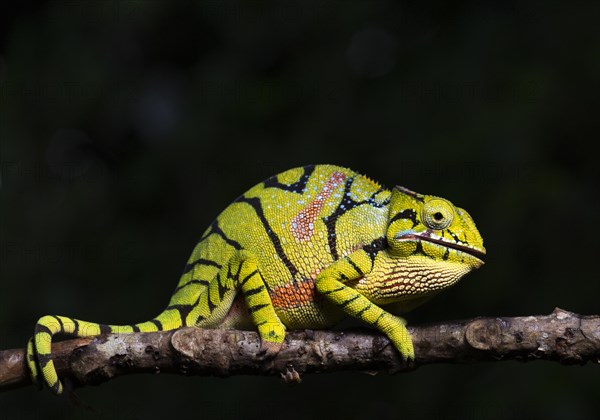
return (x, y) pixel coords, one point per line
(301, 250)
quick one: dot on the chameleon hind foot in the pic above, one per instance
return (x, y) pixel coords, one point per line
(271, 335)
(268, 350)
(291, 376)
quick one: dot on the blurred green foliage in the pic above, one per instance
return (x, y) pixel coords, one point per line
(126, 126)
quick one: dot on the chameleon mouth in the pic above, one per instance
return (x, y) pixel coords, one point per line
(467, 249)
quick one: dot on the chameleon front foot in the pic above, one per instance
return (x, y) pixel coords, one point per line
(395, 328)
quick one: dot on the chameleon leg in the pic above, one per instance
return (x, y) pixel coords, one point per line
(242, 274)
(330, 284)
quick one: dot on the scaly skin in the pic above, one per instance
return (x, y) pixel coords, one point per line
(300, 250)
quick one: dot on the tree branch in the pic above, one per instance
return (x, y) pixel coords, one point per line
(562, 336)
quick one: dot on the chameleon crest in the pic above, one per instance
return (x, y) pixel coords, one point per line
(303, 249)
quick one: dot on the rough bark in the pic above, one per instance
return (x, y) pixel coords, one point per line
(562, 336)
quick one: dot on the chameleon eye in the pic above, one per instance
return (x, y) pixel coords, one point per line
(437, 214)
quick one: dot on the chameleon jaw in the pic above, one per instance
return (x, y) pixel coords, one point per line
(467, 249)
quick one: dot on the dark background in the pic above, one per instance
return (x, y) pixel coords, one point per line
(126, 126)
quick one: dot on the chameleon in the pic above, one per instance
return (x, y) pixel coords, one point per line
(302, 250)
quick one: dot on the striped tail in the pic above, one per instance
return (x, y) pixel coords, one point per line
(40, 345)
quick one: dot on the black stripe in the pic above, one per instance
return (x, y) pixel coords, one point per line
(330, 223)
(346, 204)
(105, 329)
(248, 277)
(378, 318)
(356, 267)
(222, 288)
(420, 251)
(211, 305)
(374, 247)
(76, 329)
(257, 206)
(408, 214)
(215, 229)
(195, 281)
(184, 311)
(199, 319)
(135, 328)
(157, 323)
(234, 276)
(262, 279)
(254, 291)
(327, 292)
(363, 310)
(200, 261)
(55, 387)
(39, 328)
(456, 239)
(298, 187)
(255, 308)
(347, 302)
(43, 360)
(62, 327)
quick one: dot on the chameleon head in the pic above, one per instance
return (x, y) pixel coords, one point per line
(431, 245)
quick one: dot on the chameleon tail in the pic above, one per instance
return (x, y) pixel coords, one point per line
(39, 346)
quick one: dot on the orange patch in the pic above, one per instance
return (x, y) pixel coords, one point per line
(294, 295)
(303, 224)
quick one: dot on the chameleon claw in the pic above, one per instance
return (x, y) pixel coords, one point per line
(291, 376)
(268, 349)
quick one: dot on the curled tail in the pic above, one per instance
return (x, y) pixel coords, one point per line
(39, 346)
